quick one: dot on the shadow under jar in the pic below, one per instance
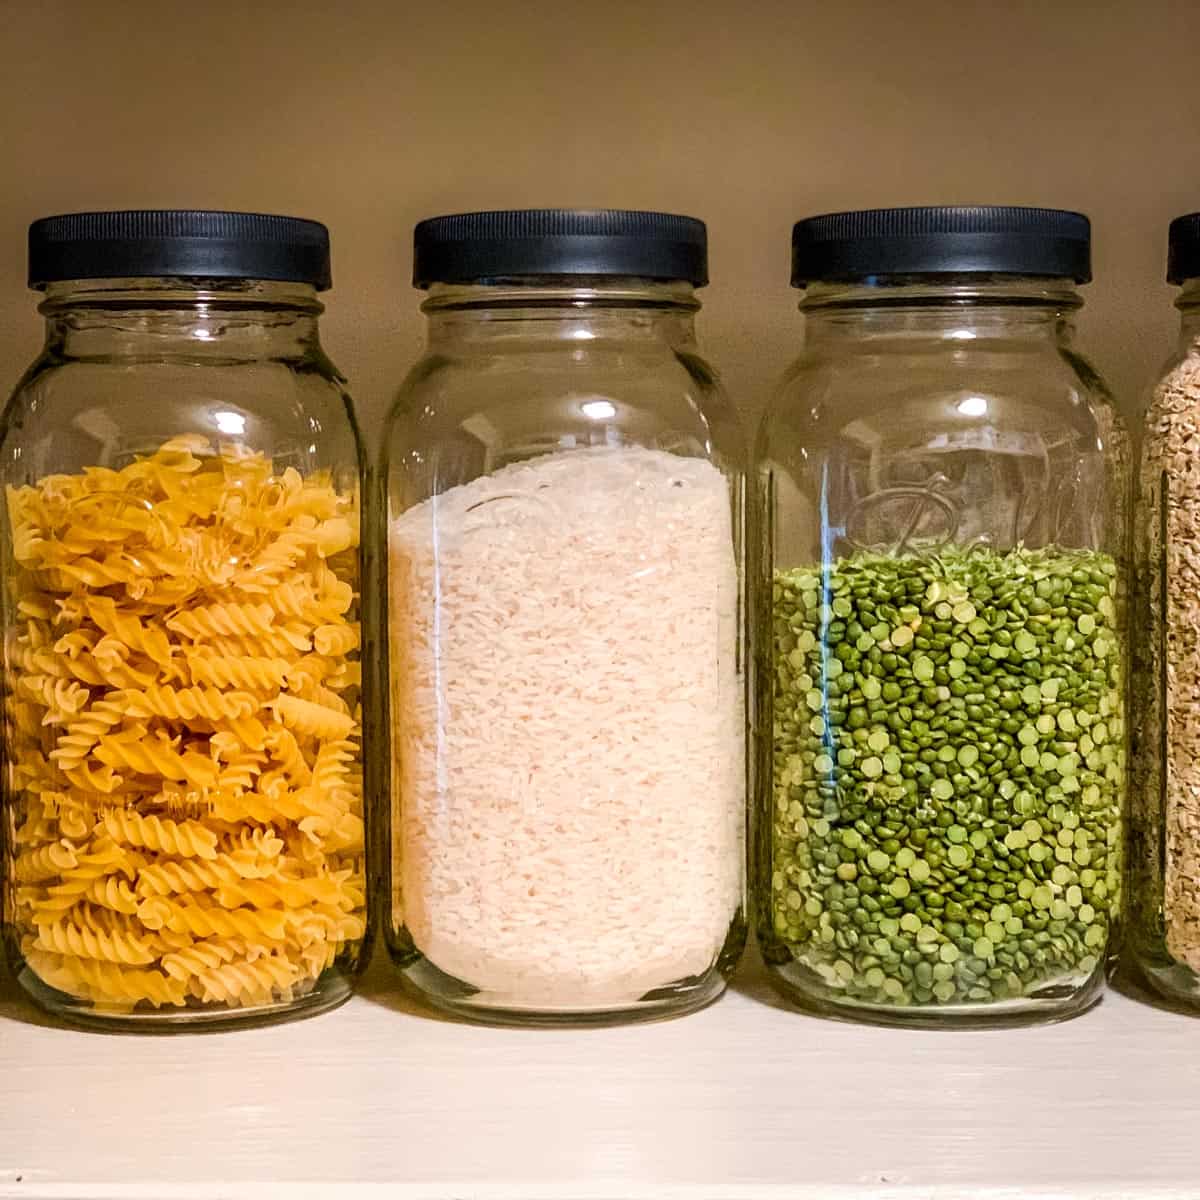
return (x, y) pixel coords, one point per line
(182, 815)
(564, 522)
(1164, 940)
(941, 663)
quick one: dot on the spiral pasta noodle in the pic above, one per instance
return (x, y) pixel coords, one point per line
(187, 839)
(183, 727)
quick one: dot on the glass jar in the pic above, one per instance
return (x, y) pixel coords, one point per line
(564, 504)
(182, 755)
(1164, 939)
(941, 515)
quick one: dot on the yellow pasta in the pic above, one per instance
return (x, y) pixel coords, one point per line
(114, 893)
(190, 913)
(246, 671)
(295, 893)
(250, 982)
(59, 697)
(312, 719)
(335, 639)
(106, 984)
(189, 704)
(82, 940)
(254, 843)
(312, 604)
(203, 956)
(46, 862)
(183, 727)
(286, 751)
(188, 839)
(217, 620)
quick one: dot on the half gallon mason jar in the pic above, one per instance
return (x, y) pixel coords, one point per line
(1164, 941)
(564, 507)
(182, 753)
(941, 650)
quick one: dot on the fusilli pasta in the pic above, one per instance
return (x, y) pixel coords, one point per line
(183, 726)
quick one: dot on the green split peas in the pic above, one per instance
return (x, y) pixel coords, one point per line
(948, 772)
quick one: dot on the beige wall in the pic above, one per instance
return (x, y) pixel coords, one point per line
(370, 116)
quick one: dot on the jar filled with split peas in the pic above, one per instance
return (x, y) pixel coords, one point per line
(182, 816)
(564, 520)
(940, 710)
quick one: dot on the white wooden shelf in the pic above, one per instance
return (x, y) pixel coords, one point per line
(745, 1099)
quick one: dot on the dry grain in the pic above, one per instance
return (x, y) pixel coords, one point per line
(569, 726)
(1171, 715)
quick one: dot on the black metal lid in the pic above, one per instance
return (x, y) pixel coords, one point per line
(942, 241)
(514, 243)
(1183, 249)
(153, 243)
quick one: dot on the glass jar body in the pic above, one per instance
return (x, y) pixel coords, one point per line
(1164, 940)
(182, 818)
(940, 526)
(565, 504)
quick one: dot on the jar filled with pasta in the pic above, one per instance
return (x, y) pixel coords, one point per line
(182, 822)
(564, 489)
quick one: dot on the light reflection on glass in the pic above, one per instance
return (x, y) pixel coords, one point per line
(230, 422)
(599, 410)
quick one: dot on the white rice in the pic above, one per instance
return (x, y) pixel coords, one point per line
(567, 703)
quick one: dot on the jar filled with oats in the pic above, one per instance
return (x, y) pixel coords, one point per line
(1164, 943)
(182, 816)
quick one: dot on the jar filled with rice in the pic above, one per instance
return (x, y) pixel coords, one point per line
(564, 523)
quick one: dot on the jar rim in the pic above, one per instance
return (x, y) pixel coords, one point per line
(163, 291)
(951, 289)
(557, 291)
